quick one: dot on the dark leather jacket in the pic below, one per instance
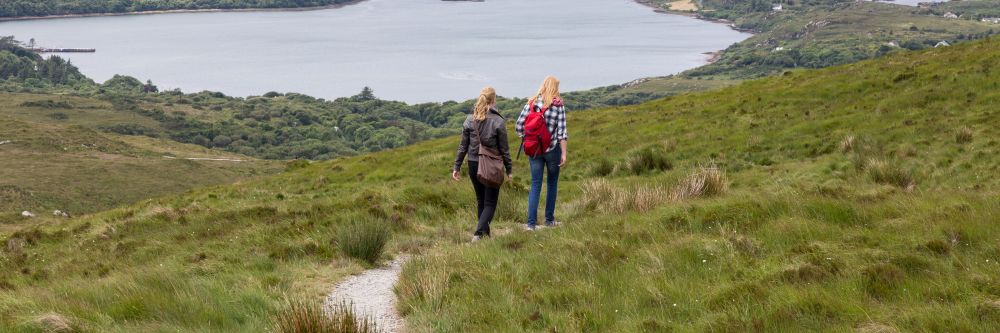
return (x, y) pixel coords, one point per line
(494, 132)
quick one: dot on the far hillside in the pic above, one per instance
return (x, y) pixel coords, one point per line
(55, 158)
(854, 198)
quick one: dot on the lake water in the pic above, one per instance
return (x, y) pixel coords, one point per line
(410, 50)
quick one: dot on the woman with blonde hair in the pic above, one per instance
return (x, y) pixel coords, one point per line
(484, 129)
(542, 127)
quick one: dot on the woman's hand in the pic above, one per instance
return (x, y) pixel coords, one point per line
(455, 175)
(562, 161)
(510, 177)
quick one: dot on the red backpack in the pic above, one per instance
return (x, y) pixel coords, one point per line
(536, 131)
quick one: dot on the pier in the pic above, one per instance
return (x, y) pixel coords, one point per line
(48, 50)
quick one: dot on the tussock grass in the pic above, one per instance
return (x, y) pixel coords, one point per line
(881, 280)
(603, 167)
(306, 317)
(704, 182)
(53, 323)
(889, 172)
(365, 240)
(847, 145)
(649, 159)
(601, 195)
(963, 135)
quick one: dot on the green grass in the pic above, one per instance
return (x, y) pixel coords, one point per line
(799, 240)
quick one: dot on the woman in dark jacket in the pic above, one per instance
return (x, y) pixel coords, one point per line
(492, 132)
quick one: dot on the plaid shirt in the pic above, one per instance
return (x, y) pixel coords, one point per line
(555, 119)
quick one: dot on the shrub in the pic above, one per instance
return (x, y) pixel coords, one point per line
(647, 160)
(48, 104)
(964, 135)
(58, 116)
(301, 317)
(884, 171)
(364, 241)
(704, 182)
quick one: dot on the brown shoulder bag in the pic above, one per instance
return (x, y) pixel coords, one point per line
(491, 167)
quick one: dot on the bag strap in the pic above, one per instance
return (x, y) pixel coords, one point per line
(476, 124)
(483, 150)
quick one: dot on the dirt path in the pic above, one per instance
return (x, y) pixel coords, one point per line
(372, 295)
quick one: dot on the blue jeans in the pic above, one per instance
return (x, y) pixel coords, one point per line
(550, 162)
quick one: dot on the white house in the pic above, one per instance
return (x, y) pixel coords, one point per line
(950, 15)
(994, 20)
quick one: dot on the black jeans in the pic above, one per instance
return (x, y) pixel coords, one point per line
(486, 201)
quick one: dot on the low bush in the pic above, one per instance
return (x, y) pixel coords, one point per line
(47, 104)
(364, 241)
(302, 317)
(58, 116)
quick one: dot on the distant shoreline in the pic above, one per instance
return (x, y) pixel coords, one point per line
(181, 11)
(690, 14)
(713, 56)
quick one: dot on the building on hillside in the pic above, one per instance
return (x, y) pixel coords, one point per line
(950, 15)
(778, 7)
(994, 20)
(942, 44)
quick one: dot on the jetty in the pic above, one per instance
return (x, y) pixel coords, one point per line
(48, 50)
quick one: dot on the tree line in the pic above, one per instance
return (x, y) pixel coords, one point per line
(19, 8)
(21, 64)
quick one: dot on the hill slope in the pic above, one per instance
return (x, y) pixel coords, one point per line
(857, 199)
(54, 159)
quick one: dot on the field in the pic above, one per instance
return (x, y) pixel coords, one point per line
(858, 197)
(58, 159)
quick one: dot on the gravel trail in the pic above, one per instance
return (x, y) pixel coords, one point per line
(372, 294)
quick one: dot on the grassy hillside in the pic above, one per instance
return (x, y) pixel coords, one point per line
(54, 159)
(861, 198)
(858, 197)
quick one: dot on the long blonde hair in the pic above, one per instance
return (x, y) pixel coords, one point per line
(487, 97)
(549, 91)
